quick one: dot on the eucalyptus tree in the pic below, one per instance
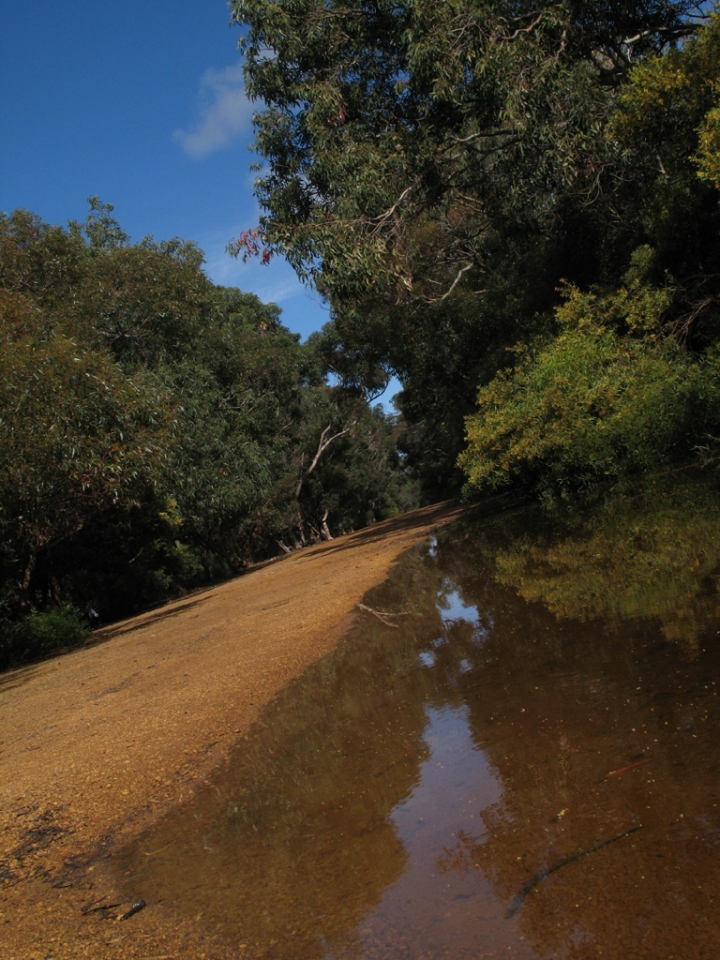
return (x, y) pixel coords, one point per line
(435, 169)
(630, 377)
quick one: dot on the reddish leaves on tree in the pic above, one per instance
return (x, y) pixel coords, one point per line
(250, 244)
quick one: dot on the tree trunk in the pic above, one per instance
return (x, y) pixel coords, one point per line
(27, 577)
(325, 528)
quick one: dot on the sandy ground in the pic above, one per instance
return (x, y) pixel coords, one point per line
(97, 743)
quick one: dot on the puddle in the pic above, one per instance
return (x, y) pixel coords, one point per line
(513, 753)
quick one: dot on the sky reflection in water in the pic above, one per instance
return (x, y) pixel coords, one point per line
(550, 683)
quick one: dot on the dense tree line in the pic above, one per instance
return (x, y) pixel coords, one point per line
(158, 432)
(514, 197)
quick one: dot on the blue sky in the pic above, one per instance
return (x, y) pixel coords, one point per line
(140, 103)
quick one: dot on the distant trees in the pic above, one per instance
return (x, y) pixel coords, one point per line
(156, 431)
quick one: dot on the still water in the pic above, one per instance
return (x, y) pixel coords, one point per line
(514, 753)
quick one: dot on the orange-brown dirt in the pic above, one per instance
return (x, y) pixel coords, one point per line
(97, 743)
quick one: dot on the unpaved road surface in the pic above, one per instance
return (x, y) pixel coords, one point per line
(97, 743)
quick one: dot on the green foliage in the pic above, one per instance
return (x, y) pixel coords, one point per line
(514, 199)
(435, 169)
(156, 431)
(629, 378)
(668, 108)
(377, 115)
(662, 127)
(41, 634)
(593, 401)
(76, 434)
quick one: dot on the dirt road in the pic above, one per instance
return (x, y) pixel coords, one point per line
(97, 743)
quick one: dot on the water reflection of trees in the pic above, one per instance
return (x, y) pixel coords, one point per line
(650, 549)
(548, 634)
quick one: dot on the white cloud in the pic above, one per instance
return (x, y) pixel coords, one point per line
(275, 281)
(303, 309)
(225, 112)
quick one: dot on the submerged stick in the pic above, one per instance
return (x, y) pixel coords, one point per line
(135, 908)
(383, 616)
(615, 773)
(541, 874)
(102, 906)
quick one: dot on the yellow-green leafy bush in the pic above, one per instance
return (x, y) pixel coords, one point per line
(593, 402)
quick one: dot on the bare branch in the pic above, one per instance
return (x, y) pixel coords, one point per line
(324, 443)
(455, 282)
(388, 213)
(381, 220)
(527, 29)
(482, 136)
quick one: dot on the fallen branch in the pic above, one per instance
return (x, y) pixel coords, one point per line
(91, 908)
(385, 617)
(542, 874)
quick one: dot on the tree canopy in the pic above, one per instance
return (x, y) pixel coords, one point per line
(438, 170)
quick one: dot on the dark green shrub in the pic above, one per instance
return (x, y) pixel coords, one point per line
(41, 634)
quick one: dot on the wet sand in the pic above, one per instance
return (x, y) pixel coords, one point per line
(97, 744)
